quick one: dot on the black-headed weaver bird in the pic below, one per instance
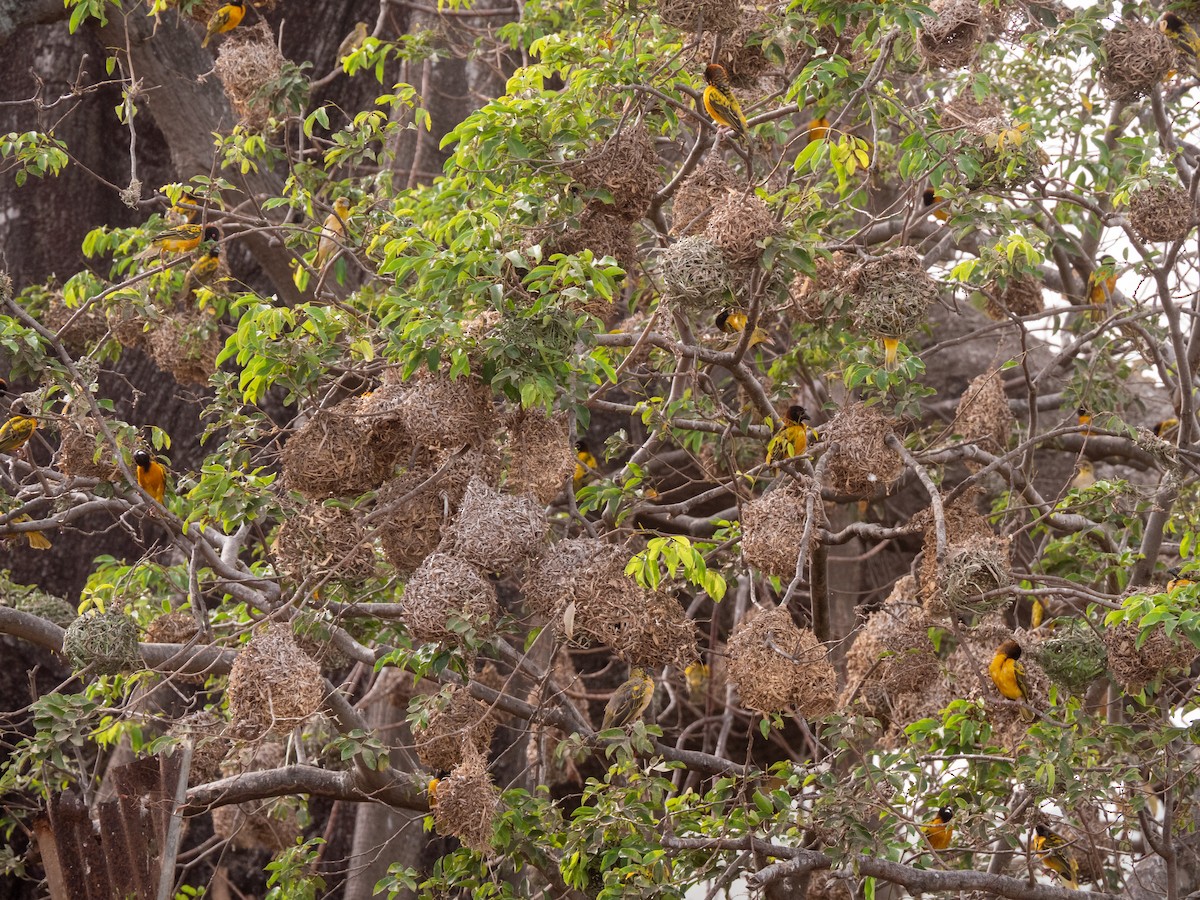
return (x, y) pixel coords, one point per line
(332, 232)
(1054, 856)
(1103, 281)
(203, 271)
(151, 476)
(1184, 37)
(585, 462)
(18, 429)
(177, 239)
(719, 101)
(792, 438)
(1084, 417)
(938, 830)
(818, 129)
(36, 539)
(630, 701)
(1167, 428)
(733, 322)
(227, 18)
(1178, 579)
(930, 198)
(1008, 674)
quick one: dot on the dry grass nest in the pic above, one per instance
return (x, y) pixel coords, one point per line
(891, 293)
(777, 666)
(951, 39)
(738, 225)
(381, 413)
(812, 295)
(983, 416)
(694, 201)
(965, 109)
(1004, 155)
(694, 274)
(773, 526)
(210, 746)
(127, 325)
(272, 824)
(248, 61)
(496, 532)
(88, 328)
(893, 650)
(973, 569)
(1020, 295)
(82, 452)
(605, 233)
(465, 804)
(445, 414)
(333, 454)
(1072, 655)
(458, 725)
(540, 459)
(1136, 56)
(741, 52)
(966, 529)
(1133, 667)
(700, 15)
(863, 462)
(273, 685)
(446, 600)
(411, 530)
(1161, 212)
(105, 641)
(44, 606)
(176, 627)
(186, 344)
(324, 542)
(626, 166)
(314, 636)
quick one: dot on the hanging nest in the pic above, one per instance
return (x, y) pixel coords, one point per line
(44, 606)
(206, 730)
(176, 627)
(249, 65)
(333, 455)
(186, 344)
(381, 413)
(127, 325)
(1073, 655)
(466, 803)
(446, 600)
(605, 233)
(1019, 295)
(459, 725)
(273, 685)
(412, 530)
(1161, 212)
(1164, 452)
(540, 459)
(964, 526)
(893, 650)
(773, 527)
(694, 274)
(324, 542)
(626, 167)
(1134, 667)
(966, 109)
(951, 39)
(890, 293)
(983, 416)
(445, 414)
(971, 570)
(700, 15)
(1002, 155)
(314, 637)
(741, 53)
(863, 462)
(86, 330)
(107, 642)
(694, 201)
(1136, 57)
(817, 298)
(738, 225)
(496, 532)
(82, 453)
(777, 666)
(824, 885)
(272, 824)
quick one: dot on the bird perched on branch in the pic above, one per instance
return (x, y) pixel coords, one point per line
(733, 322)
(1103, 281)
(818, 129)
(1008, 674)
(353, 40)
(938, 830)
(792, 439)
(586, 462)
(1053, 854)
(1085, 475)
(204, 269)
(151, 476)
(930, 198)
(629, 702)
(17, 431)
(227, 18)
(1178, 579)
(179, 239)
(1184, 37)
(36, 539)
(332, 233)
(1167, 428)
(719, 101)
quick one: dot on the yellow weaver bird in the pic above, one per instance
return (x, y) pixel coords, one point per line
(37, 540)
(586, 462)
(818, 129)
(1184, 37)
(1103, 281)
(630, 701)
(719, 101)
(185, 209)
(1085, 475)
(17, 431)
(1166, 428)
(696, 675)
(227, 18)
(332, 232)
(204, 269)
(1009, 675)
(151, 476)
(1037, 614)
(1178, 579)
(733, 322)
(938, 830)
(930, 198)
(431, 790)
(1052, 853)
(353, 40)
(1084, 416)
(891, 349)
(792, 439)
(179, 239)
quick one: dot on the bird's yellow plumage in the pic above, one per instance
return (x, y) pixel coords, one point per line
(1178, 579)
(180, 239)
(733, 322)
(227, 18)
(17, 431)
(938, 830)
(1008, 674)
(1103, 281)
(792, 438)
(930, 198)
(1053, 854)
(1184, 37)
(332, 233)
(586, 462)
(630, 701)
(204, 269)
(719, 101)
(818, 129)
(151, 476)
(37, 540)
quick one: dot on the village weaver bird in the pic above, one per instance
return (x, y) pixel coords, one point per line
(178, 239)
(227, 18)
(891, 351)
(1009, 675)
(353, 40)
(1178, 579)
(203, 271)
(938, 830)
(1103, 281)
(185, 209)
(630, 701)
(719, 101)
(733, 322)
(791, 439)
(1166, 428)
(151, 476)
(16, 432)
(36, 539)
(585, 462)
(696, 675)
(1054, 856)
(1037, 614)
(1184, 37)
(930, 198)
(818, 129)
(332, 232)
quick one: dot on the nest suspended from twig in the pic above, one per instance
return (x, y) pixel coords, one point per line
(83, 453)
(773, 526)
(1136, 57)
(699, 15)
(893, 650)
(381, 413)
(698, 195)
(177, 627)
(694, 274)
(466, 803)
(272, 824)
(983, 416)
(777, 666)
(314, 637)
(249, 64)
(741, 52)
(819, 297)
(459, 724)
(951, 39)
(186, 344)
(605, 233)
(447, 601)
(105, 641)
(891, 293)
(863, 462)
(411, 530)
(28, 599)
(127, 325)
(966, 109)
(86, 330)
(626, 167)
(273, 686)
(739, 224)
(1001, 155)
(324, 542)
(1020, 295)
(1161, 212)
(972, 569)
(206, 731)
(445, 414)
(540, 459)
(1134, 667)
(333, 455)
(1073, 655)
(496, 532)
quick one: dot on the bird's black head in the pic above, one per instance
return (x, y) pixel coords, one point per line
(929, 196)
(715, 75)
(1082, 411)
(722, 318)
(142, 458)
(797, 414)
(1174, 571)
(19, 408)
(581, 446)
(946, 813)
(212, 233)
(1042, 830)
(1171, 23)
(1011, 649)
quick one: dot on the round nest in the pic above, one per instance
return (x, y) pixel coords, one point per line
(1073, 655)
(465, 804)
(176, 627)
(324, 542)
(951, 39)
(1161, 212)
(540, 459)
(332, 455)
(1134, 667)
(412, 530)
(700, 191)
(864, 462)
(964, 527)
(458, 722)
(966, 109)
(1004, 156)
(891, 293)
(625, 166)
(314, 637)
(741, 53)
(107, 642)
(694, 273)
(777, 666)
(186, 345)
(127, 325)
(824, 885)
(699, 15)
(381, 413)
(442, 414)
(496, 532)
(972, 569)
(87, 329)
(209, 744)
(272, 824)
(605, 233)
(82, 453)
(248, 61)
(893, 650)
(812, 295)
(44, 606)
(738, 225)
(1136, 57)
(446, 599)
(1019, 295)
(273, 685)
(773, 527)
(983, 416)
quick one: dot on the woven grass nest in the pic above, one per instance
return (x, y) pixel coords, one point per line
(626, 166)
(741, 52)
(890, 293)
(1005, 157)
(773, 527)
(694, 201)
(1073, 655)
(314, 637)
(332, 454)
(1161, 212)
(863, 462)
(272, 824)
(540, 459)
(893, 650)
(699, 15)
(44, 606)
(186, 344)
(458, 725)
(966, 109)
(971, 569)
(87, 329)
(105, 641)
(605, 233)
(966, 530)
(176, 627)
(1020, 295)
(446, 598)
(496, 532)
(445, 414)
(1136, 57)
(210, 746)
(1133, 667)
(465, 804)
(814, 298)
(412, 530)
(778, 667)
(248, 61)
(983, 416)
(324, 541)
(951, 39)
(694, 274)
(82, 453)
(273, 685)
(381, 412)
(738, 225)
(127, 325)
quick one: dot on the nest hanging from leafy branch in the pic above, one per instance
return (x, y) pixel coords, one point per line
(446, 599)
(773, 526)
(496, 532)
(272, 824)
(127, 325)
(777, 666)
(741, 53)
(333, 454)
(890, 294)
(1133, 667)
(1161, 212)
(951, 39)
(457, 722)
(1136, 56)
(698, 195)
(694, 274)
(893, 649)
(820, 296)
(699, 15)
(41, 604)
(274, 686)
(983, 416)
(249, 65)
(863, 461)
(324, 541)
(410, 531)
(540, 459)
(1073, 655)
(87, 328)
(626, 167)
(187, 345)
(107, 642)
(999, 155)
(604, 233)
(445, 414)
(1020, 295)
(466, 803)
(966, 109)
(176, 627)
(976, 562)
(738, 225)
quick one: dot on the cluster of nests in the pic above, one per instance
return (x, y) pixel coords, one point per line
(1162, 211)
(983, 415)
(1014, 294)
(700, 15)
(890, 294)
(976, 563)
(863, 463)
(1137, 56)
(249, 65)
(779, 667)
(950, 39)
(773, 526)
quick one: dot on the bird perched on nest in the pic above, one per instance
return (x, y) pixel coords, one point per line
(36, 539)
(1178, 579)
(586, 463)
(151, 476)
(19, 428)
(629, 702)
(719, 101)
(1008, 674)
(332, 232)
(938, 830)
(791, 439)
(353, 40)
(204, 269)
(733, 322)
(225, 19)
(1054, 856)
(1184, 37)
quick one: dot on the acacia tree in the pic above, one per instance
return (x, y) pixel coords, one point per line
(385, 589)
